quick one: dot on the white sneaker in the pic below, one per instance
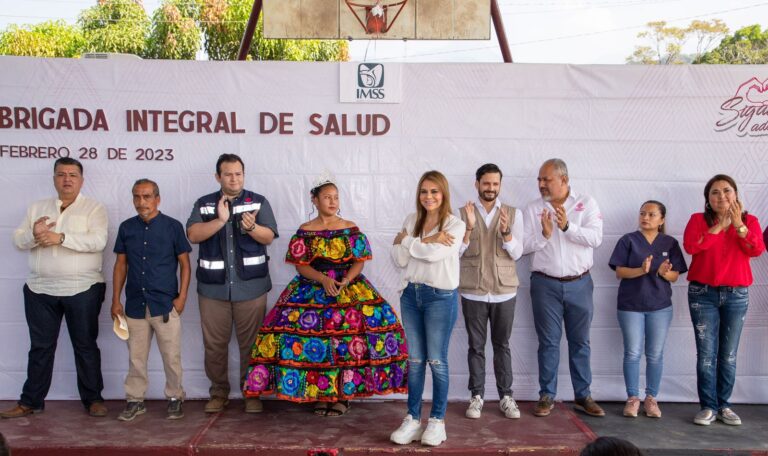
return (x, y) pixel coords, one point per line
(434, 435)
(509, 407)
(475, 407)
(408, 431)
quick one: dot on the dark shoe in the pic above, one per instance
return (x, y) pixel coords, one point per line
(216, 404)
(321, 408)
(175, 411)
(253, 405)
(97, 409)
(588, 406)
(338, 408)
(132, 410)
(544, 406)
(19, 411)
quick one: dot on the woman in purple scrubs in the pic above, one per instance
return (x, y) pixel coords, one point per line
(647, 261)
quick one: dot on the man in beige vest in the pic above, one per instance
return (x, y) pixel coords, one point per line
(488, 286)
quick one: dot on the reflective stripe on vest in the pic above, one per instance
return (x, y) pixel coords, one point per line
(205, 264)
(246, 208)
(253, 261)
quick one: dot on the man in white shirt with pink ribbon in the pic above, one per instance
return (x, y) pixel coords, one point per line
(561, 231)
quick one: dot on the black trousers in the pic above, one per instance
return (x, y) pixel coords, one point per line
(44, 313)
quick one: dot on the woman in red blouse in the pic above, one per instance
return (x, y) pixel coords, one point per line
(721, 240)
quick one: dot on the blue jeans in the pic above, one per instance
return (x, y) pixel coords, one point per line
(650, 328)
(553, 303)
(718, 315)
(428, 317)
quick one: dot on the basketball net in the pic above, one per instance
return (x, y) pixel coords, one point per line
(376, 15)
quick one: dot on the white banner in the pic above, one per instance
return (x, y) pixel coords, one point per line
(628, 134)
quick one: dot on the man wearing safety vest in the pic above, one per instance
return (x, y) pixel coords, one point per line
(233, 227)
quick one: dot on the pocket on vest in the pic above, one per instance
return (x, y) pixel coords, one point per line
(507, 276)
(470, 277)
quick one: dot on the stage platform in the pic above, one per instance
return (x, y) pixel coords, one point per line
(289, 429)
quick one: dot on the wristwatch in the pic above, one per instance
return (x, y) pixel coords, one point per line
(61, 239)
(742, 229)
(506, 233)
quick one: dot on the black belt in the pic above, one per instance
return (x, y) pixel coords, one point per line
(726, 288)
(563, 279)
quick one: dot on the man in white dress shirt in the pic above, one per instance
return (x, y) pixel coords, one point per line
(493, 241)
(562, 230)
(65, 237)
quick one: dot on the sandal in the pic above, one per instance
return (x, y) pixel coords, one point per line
(338, 408)
(321, 408)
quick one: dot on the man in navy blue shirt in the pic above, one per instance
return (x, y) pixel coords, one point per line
(149, 248)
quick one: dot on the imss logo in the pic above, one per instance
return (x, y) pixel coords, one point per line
(370, 81)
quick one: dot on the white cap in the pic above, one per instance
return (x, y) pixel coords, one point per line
(120, 327)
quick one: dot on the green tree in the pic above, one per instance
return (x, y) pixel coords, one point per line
(664, 44)
(174, 33)
(47, 39)
(748, 45)
(115, 26)
(223, 23)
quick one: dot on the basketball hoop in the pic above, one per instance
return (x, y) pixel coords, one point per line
(376, 15)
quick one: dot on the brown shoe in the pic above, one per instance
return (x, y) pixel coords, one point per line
(216, 404)
(253, 405)
(544, 406)
(19, 411)
(632, 406)
(651, 407)
(97, 409)
(588, 406)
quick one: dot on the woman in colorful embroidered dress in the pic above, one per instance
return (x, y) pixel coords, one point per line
(330, 337)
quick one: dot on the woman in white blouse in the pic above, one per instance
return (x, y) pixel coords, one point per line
(427, 250)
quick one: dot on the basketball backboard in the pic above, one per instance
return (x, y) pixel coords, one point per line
(378, 19)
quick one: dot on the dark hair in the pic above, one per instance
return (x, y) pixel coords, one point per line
(228, 158)
(610, 446)
(709, 214)
(5, 450)
(68, 161)
(485, 169)
(662, 209)
(155, 188)
(315, 192)
(445, 209)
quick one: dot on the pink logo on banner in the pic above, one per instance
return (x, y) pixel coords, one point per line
(747, 110)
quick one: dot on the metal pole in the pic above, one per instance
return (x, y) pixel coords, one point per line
(498, 24)
(250, 28)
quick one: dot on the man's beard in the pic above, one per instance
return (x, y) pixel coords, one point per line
(486, 198)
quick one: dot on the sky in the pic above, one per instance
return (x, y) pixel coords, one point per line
(538, 31)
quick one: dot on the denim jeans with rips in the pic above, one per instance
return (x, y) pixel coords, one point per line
(428, 317)
(717, 314)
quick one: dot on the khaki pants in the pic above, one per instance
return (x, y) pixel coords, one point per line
(216, 318)
(168, 342)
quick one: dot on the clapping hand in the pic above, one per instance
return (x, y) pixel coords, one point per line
(504, 220)
(561, 216)
(664, 268)
(222, 209)
(647, 264)
(546, 223)
(471, 219)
